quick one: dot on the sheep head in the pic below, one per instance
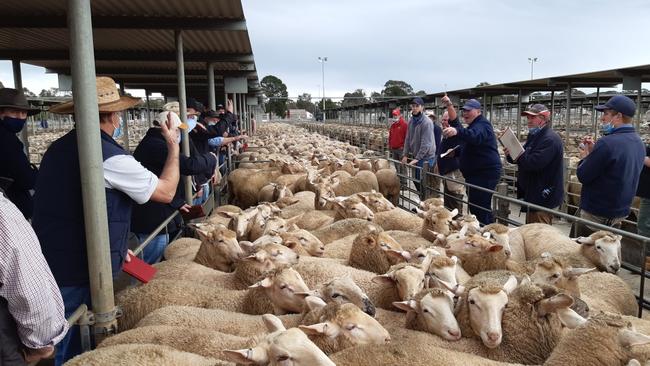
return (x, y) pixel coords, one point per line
(438, 220)
(346, 322)
(376, 201)
(603, 249)
(499, 233)
(280, 347)
(551, 271)
(430, 203)
(432, 311)
(409, 279)
(219, 247)
(241, 221)
(376, 251)
(352, 208)
(281, 286)
(303, 238)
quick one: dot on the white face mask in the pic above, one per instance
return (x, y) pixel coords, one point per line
(117, 132)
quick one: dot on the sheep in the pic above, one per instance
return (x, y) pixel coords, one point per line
(333, 327)
(379, 164)
(206, 343)
(364, 181)
(430, 203)
(300, 203)
(409, 240)
(499, 233)
(273, 192)
(480, 254)
(389, 184)
(316, 219)
(182, 248)
(436, 221)
(303, 242)
(469, 220)
(340, 229)
(246, 183)
(247, 270)
(603, 340)
(351, 207)
(219, 247)
(431, 310)
(279, 287)
(375, 201)
(375, 251)
(607, 292)
(141, 354)
(398, 219)
(601, 249)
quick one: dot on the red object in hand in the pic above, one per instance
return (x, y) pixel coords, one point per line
(139, 269)
(245, 147)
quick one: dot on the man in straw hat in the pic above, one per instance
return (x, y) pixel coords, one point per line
(17, 175)
(58, 207)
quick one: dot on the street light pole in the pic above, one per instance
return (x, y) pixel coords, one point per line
(322, 60)
(532, 61)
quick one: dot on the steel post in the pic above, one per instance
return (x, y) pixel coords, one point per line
(146, 94)
(212, 100)
(182, 104)
(125, 122)
(567, 130)
(82, 64)
(519, 114)
(637, 123)
(594, 117)
(18, 84)
(552, 107)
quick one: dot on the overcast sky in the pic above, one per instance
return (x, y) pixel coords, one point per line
(430, 43)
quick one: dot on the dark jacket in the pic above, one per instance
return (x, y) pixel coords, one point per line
(437, 137)
(200, 136)
(59, 217)
(152, 154)
(610, 173)
(479, 148)
(448, 164)
(10, 346)
(15, 166)
(541, 169)
(643, 190)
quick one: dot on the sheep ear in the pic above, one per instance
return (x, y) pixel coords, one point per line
(576, 272)
(408, 305)
(314, 303)
(290, 243)
(570, 318)
(399, 254)
(328, 329)
(495, 248)
(230, 215)
(584, 240)
(421, 213)
(454, 289)
(385, 279)
(463, 231)
(265, 283)
(510, 285)
(246, 246)
(304, 295)
(551, 304)
(454, 212)
(204, 235)
(250, 356)
(272, 323)
(630, 337)
(634, 362)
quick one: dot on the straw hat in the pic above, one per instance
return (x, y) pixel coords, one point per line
(108, 99)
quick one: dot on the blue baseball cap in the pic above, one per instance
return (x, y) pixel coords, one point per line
(471, 104)
(418, 101)
(619, 103)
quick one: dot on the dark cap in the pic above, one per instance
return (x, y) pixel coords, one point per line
(211, 114)
(471, 104)
(536, 110)
(220, 106)
(418, 101)
(619, 103)
(195, 104)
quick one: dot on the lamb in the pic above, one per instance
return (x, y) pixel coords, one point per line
(500, 233)
(409, 241)
(398, 219)
(246, 183)
(279, 287)
(375, 201)
(300, 203)
(373, 250)
(247, 270)
(601, 249)
(316, 219)
(607, 292)
(273, 192)
(219, 247)
(480, 254)
(436, 221)
(182, 248)
(340, 229)
(303, 242)
(141, 354)
(430, 203)
(363, 181)
(431, 310)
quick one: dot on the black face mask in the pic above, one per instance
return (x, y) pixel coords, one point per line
(12, 124)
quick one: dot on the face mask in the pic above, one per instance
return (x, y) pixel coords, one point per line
(14, 125)
(607, 128)
(533, 130)
(117, 132)
(191, 123)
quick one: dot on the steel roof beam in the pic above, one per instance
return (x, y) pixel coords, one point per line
(122, 55)
(128, 22)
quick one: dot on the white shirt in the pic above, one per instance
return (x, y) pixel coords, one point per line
(124, 173)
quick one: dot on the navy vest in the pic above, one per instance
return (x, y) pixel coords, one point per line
(58, 212)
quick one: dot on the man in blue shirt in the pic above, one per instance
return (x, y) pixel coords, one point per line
(420, 143)
(610, 168)
(479, 160)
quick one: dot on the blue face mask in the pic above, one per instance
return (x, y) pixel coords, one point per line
(533, 130)
(117, 132)
(607, 128)
(191, 123)
(14, 125)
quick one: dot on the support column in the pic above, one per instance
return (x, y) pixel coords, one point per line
(594, 118)
(18, 84)
(182, 104)
(212, 101)
(146, 94)
(567, 130)
(637, 123)
(82, 64)
(552, 106)
(125, 127)
(519, 114)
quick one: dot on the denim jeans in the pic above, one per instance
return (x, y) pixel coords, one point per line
(154, 251)
(426, 180)
(70, 346)
(199, 200)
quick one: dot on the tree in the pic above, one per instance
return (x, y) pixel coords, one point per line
(482, 83)
(304, 102)
(1, 85)
(51, 92)
(396, 88)
(28, 92)
(355, 98)
(276, 94)
(420, 93)
(329, 104)
(375, 96)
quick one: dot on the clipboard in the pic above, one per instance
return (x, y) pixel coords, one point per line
(194, 213)
(444, 155)
(510, 142)
(139, 269)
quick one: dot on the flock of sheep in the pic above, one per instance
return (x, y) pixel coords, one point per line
(315, 265)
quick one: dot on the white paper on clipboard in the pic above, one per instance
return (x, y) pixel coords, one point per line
(510, 142)
(443, 155)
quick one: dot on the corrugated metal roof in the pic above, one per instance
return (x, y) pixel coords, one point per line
(133, 36)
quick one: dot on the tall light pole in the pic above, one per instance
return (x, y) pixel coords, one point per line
(532, 61)
(322, 60)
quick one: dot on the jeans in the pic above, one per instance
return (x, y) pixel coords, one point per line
(156, 248)
(199, 200)
(70, 346)
(426, 182)
(480, 201)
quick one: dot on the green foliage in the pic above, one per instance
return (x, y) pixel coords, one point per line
(28, 92)
(355, 98)
(420, 93)
(276, 95)
(304, 102)
(397, 88)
